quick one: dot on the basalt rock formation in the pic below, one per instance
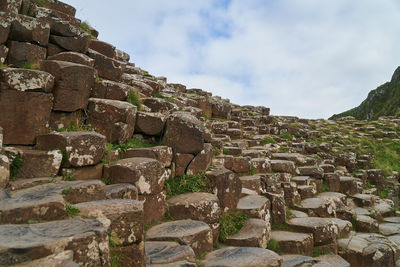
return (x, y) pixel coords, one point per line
(103, 164)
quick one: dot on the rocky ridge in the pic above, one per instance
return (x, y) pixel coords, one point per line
(103, 164)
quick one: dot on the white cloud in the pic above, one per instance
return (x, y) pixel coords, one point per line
(309, 58)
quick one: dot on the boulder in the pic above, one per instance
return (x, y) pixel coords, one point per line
(184, 133)
(78, 43)
(255, 207)
(28, 29)
(196, 206)
(227, 186)
(73, 57)
(79, 148)
(25, 115)
(364, 249)
(254, 233)
(293, 243)
(26, 80)
(148, 175)
(86, 238)
(103, 48)
(201, 161)
(112, 118)
(150, 123)
(283, 166)
(159, 253)
(195, 234)
(72, 84)
(111, 90)
(107, 68)
(324, 230)
(161, 153)
(181, 162)
(21, 53)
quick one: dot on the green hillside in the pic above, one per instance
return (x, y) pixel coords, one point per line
(383, 101)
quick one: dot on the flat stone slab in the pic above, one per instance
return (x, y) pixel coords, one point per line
(242, 257)
(86, 238)
(392, 219)
(196, 234)
(196, 206)
(301, 180)
(291, 242)
(367, 250)
(283, 166)
(47, 202)
(254, 233)
(317, 207)
(64, 259)
(255, 207)
(162, 252)
(299, 260)
(334, 260)
(324, 230)
(389, 228)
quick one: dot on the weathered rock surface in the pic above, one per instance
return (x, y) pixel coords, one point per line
(294, 243)
(242, 257)
(86, 238)
(195, 234)
(254, 233)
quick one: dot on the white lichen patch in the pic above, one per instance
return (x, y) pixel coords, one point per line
(57, 159)
(143, 185)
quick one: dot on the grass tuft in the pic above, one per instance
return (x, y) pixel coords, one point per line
(134, 99)
(186, 184)
(231, 223)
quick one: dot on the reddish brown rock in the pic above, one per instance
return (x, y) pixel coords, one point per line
(181, 162)
(75, 44)
(111, 90)
(159, 105)
(6, 19)
(254, 233)
(313, 171)
(241, 164)
(112, 118)
(333, 181)
(107, 68)
(26, 80)
(283, 166)
(121, 55)
(28, 29)
(10, 6)
(87, 239)
(123, 217)
(121, 191)
(84, 173)
(196, 206)
(294, 243)
(221, 109)
(184, 133)
(73, 57)
(278, 208)
(161, 153)
(53, 49)
(154, 207)
(138, 85)
(103, 48)
(227, 185)
(261, 165)
(148, 175)
(348, 185)
(20, 53)
(323, 229)
(36, 163)
(201, 161)
(195, 234)
(81, 148)
(255, 207)
(150, 123)
(73, 83)
(25, 115)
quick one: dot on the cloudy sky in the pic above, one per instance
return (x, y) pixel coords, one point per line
(309, 58)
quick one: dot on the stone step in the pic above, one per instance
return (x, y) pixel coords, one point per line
(47, 202)
(367, 250)
(324, 230)
(64, 258)
(254, 233)
(306, 191)
(301, 180)
(366, 224)
(86, 238)
(20, 184)
(389, 228)
(334, 260)
(300, 260)
(317, 207)
(242, 256)
(293, 243)
(162, 253)
(255, 207)
(196, 234)
(283, 166)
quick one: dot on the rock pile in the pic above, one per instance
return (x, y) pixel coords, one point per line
(104, 164)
